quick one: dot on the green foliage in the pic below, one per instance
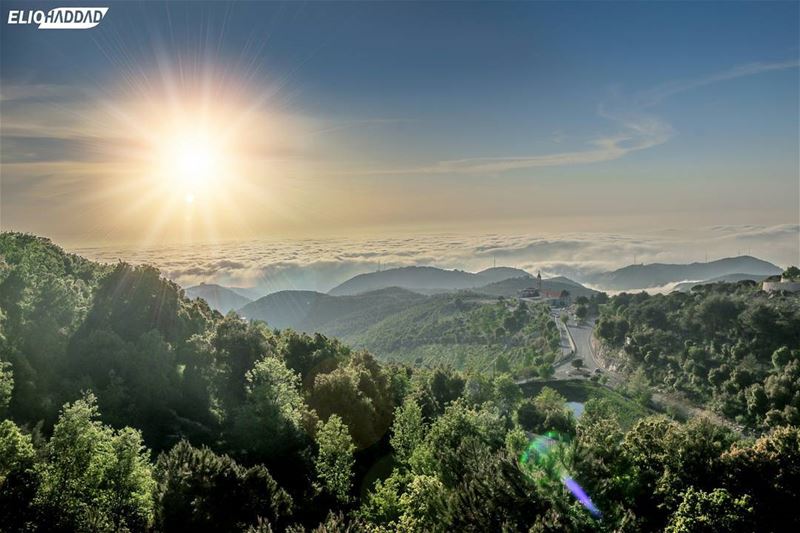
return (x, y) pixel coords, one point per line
(506, 393)
(546, 412)
(311, 355)
(667, 457)
(360, 394)
(334, 463)
(45, 294)
(715, 511)
(133, 300)
(382, 506)
(478, 389)
(781, 357)
(408, 430)
(16, 450)
(237, 346)
(93, 477)
(447, 459)
(272, 418)
(6, 385)
(199, 490)
(464, 331)
(494, 495)
(626, 411)
(422, 504)
(18, 478)
(440, 452)
(637, 386)
(792, 273)
(727, 345)
(769, 472)
(434, 390)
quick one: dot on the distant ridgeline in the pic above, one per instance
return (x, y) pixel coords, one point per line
(421, 315)
(127, 407)
(635, 277)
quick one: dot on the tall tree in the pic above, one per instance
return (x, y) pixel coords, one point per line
(272, 419)
(94, 477)
(335, 460)
(408, 430)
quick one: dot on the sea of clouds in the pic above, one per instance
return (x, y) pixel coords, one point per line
(266, 266)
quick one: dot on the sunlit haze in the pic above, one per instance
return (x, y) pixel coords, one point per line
(186, 124)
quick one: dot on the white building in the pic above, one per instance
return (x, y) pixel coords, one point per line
(779, 284)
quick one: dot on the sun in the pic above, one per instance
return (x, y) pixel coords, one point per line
(192, 163)
(196, 158)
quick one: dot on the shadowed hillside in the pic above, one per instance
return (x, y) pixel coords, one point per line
(511, 287)
(334, 315)
(218, 297)
(424, 279)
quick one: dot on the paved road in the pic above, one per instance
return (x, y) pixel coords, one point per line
(582, 335)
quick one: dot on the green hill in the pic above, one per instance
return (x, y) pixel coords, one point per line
(333, 315)
(218, 297)
(424, 279)
(283, 309)
(511, 287)
(466, 330)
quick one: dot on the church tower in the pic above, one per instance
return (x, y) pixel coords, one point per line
(539, 281)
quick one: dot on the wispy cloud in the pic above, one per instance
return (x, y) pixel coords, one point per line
(635, 134)
(637, 131)
(657, 94)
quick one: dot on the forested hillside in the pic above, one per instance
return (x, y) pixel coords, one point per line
(424, 279)
(335, 315)
(727, 345)
(467, 331)
(128, 407)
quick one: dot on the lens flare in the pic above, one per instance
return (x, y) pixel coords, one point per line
(580, 495)
(538, 454)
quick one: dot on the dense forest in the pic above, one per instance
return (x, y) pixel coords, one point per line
(465, 329)
(729, 346)
(128, 407)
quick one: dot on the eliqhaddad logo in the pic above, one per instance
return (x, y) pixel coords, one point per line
(59, 18)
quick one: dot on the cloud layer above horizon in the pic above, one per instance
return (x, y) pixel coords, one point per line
(418, 117)
(270, 266)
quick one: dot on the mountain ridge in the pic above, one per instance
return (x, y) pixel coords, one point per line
(659, 274)
(424, 278)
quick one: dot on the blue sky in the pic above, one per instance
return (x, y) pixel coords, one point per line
(433, 114)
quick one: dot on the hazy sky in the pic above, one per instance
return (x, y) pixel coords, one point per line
(314, 119)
